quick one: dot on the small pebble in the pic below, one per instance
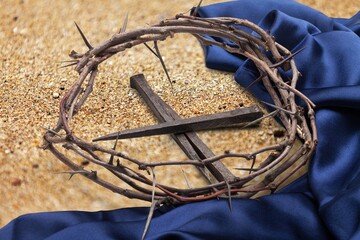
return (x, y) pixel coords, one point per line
(35, 165)
(56, 95)
(16, 182)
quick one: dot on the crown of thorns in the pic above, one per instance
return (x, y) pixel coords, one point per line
(241, 37)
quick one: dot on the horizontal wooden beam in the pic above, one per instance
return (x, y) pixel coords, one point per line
(205, 122)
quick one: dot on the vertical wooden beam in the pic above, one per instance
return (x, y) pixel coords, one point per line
(189, 142)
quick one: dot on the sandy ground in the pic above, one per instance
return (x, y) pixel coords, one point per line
(36, 35)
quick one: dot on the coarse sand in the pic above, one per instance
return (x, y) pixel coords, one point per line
(36, 35)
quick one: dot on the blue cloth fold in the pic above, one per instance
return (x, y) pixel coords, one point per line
(324, 204)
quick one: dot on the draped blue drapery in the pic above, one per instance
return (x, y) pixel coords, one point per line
(324, 204)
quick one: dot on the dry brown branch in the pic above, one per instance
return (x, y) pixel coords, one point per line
(257, 47)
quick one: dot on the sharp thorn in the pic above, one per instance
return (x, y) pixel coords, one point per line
(68, 61)
(229, 193)
(162, 62)
(149, 217)
(252, 166)
(111, 160)
(83, 37)
(151, 50)
(261, 118)
(123, 28)
(153, 205)
(287, 58)
(186, 178)
(251, 84)
(197, 8)
(279, 108)
(72, 173)
(246, 169)
(69, 65)
(52, 131)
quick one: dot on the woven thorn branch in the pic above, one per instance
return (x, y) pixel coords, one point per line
(260, 47)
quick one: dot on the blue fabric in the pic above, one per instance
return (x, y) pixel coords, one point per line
(324, 204)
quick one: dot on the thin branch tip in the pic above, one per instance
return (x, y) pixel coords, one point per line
(83, 37)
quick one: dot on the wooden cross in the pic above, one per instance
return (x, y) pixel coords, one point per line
(182, 130)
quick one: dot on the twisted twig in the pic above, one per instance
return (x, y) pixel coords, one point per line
(256, 47)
